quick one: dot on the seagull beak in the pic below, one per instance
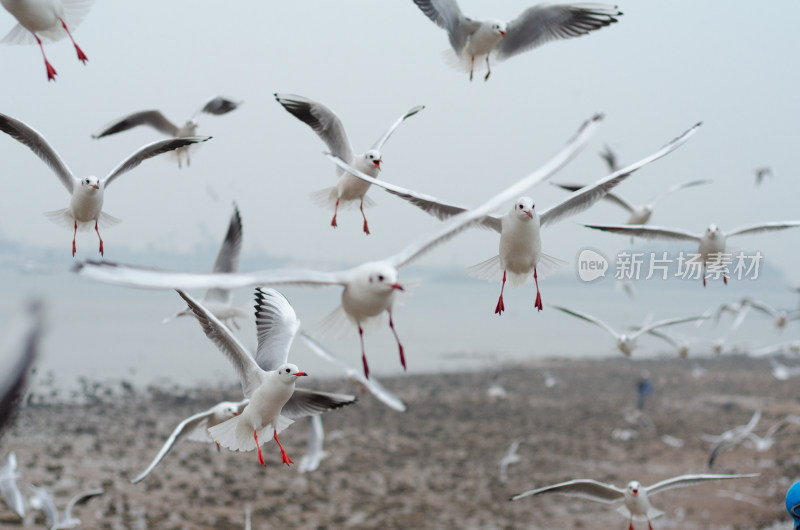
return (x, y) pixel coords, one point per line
(502, 33)
(635, 493)
(96, 186)
(300, 374)
(398, 287)
(377, 163)
(529, 213)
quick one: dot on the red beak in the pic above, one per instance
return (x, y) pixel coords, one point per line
(377, 163)
(635, 493)
(529, 213)
(96, 186)
(300, 374)
(502, 33)
(398, 287)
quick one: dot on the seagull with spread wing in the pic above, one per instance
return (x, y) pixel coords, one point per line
(50, 19)
(220, 301)
(474, 39)
(268, 380)
(711, 243)
(520, 252)
(369, 289)
(330, 129)
(43, 500)
(215, 106)
(636, 497)
(780, 316)
(627, 343)
(86, 204)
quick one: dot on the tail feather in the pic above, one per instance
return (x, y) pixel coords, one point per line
(237, 435)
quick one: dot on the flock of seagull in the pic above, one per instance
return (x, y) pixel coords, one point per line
(272, 401)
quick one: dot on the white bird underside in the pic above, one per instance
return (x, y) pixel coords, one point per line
(42, 18)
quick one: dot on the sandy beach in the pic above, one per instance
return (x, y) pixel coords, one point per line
(435, 466)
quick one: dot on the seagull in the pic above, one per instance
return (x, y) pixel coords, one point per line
(220, 301)
(610, 158)
(681, 345)
(761, 173)
(8, 485)
(712, 242)
(639, 215)
(50, 19)
(216, 106)
(369, 289)
(330, 129)
(314, 453)
(738, 310)
(372, 385)
(195, 428)
(511, 457)
(43, 500)
(471, 39)
(86, 203)
(268, 381)
(730, 438)
(17, 360)
(635, 496)
(627, 343)
(520, 249)
(781, 317)
(549, 379)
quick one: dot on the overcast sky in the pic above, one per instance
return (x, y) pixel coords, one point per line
(663, 67)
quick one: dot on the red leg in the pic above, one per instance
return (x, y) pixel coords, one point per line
(363, 355)
(98, 237)
(51, 72)
(630, 525)
(81, 56)
(284, 457)
(649, 525)
(366, 227)
(260, 456)
(724, 279)
(471, 67)
(74, 234)
(335, 211)
(500, 306)
(704, 275)
(400, 346)
(538, 302)
(218, 449)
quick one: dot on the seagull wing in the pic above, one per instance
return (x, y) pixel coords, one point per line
(647, 232)
(610, 157)
(132, 276)
(79, 499)
(667, 322)
(152, 118)
(447, 15)
(588, 318)
(149, 151)
(616, 199)
(180, 432)
(372, 385)
(249, 372)
(316, 436)
(760, 306)
(227, 257)
(310, 402)
(458, 223)
(276, 326)
(36, 142)
(542, 23)
(690, 480)
(427, 203)
(16, 362)
(763, 227)
(322, 120)
(588, 195)
(677, 187)
(583, 488)
(218, 106)
(382, 140)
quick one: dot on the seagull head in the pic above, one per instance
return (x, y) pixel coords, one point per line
(228, 409)
(384, 278)
(499, 28)
(90, 183)
(712, 231)
(373, 156)
(189, 128)
(625, 344)
(288, 373)
(523, 208)
(634, 487)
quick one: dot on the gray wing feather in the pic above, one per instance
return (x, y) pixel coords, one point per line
(152, 118)
(690, 480)
(763, 227)
(149, 151)
(447, 15)
(585, 197)
(16, 364)
(218, 106)
(228, 257)
(80, 498)
(36, 142)
(322, 120)
(179, 433)
(587, 318)
(583, 488)
(542, 23)
(249, 372)
(616, 199)
(309, 402)
(667, 322)
(276, 327)
(647, 232)
(382, 140)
